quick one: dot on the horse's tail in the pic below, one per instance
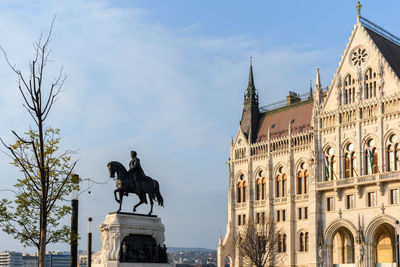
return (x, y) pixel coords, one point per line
(159, 198)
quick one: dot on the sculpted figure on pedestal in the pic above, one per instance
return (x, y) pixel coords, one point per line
(134, 181)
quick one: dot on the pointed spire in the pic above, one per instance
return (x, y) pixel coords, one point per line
(251, 97)
(311, 91)
(317, 80)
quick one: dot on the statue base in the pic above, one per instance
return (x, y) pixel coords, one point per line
(132, 240)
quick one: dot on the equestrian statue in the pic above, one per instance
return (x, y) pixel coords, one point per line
(136, 182)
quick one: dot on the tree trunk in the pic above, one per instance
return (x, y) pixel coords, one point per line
(43, 237)
(43, 204)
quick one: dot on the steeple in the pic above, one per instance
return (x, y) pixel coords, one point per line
(250, 115)
(251, 96)
(317, 80)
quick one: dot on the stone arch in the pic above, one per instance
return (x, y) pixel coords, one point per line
(228, 261)
(335, 225)
(388, 134)
(237, 177)
(300, 161)
(259, 168)
(340, 237)
(329, 144)
(381, 231)
(276, 168)
(346, 142)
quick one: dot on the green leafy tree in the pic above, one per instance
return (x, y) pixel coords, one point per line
(45, 173)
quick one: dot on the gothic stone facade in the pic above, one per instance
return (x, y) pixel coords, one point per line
(327, 168)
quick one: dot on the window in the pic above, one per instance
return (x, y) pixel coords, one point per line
(371, 158)
(239, 219)
(257, 218)
(278, 215)
(284, 243)
(299, 213)
(306, 242)
(329, 204)
(278, 183)
(262, 217)
(244, 191)
(264, 181)
(349, 161)
(394, 196)
(393, 154)
(244, 219)
(301, 242)
(258, 187)
(284, 178)
(283, 215)
(349, 202)
(370, 84)
(279, 243)
(305, 181)
(349, 91)
(305, 212)
(299, 182)
(239, 190)
(371, 199)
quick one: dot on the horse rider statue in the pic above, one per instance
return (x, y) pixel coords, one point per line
(136, 172)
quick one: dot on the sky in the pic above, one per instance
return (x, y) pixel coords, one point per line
(166, 78)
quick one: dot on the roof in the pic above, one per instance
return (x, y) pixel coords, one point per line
(389, 49)
(278, 120)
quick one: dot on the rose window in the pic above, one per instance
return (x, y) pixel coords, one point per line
(359, 56)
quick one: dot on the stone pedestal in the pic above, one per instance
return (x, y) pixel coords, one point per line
(120, 233)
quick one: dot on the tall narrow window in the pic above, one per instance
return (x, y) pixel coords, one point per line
(329, 204)
(394, 196)
(239, 219)
(349, 201)
(305, 181)
(391, 158)
(371, 199)
(305, 212)
(239, 189)
(284, 243)
(264, 181)
(353, 164)
(299, 182)
(244, 191)
(279, 243)
(347, 168)
(333, 168)
(396, 156)
(278, 187)
(283, 215)
(284, 178)
(299, 213)
(306, 241)
(258, 185)
(301, 242)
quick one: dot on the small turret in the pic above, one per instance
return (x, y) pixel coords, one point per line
(250, 115)
(317, 89)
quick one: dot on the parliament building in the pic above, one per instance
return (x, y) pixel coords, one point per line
(326, 165)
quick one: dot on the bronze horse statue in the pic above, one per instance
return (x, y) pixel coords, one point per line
(126, 184)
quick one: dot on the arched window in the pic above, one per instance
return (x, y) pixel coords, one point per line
(301, 242)
(299, 182)
(369, 84)
(278, 186)
(349, 91)
(258, 189)
(244, 191)
(306, 242)
(239, 190)
(349, 161)
(279, 243)
(390, 151)
(353, 164)
(305, 181)
(264, 182)
(284, 178)
(370, 158)
(284, 243)
(333, 167)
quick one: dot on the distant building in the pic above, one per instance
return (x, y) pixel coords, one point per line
(82, 260)
(58, 259)
(29, 260)
(11, 259)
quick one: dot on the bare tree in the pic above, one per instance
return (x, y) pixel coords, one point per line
(34, 216)
(257, 244)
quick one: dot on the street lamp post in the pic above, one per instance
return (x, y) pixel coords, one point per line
(74, 228)
(89, 249)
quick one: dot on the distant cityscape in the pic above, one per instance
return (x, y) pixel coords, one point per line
(182, 257)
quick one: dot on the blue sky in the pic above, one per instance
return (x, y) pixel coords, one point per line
(166, 78)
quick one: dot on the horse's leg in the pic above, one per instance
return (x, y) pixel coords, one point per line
(115, 195)
(151, 204)
(121, 196)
